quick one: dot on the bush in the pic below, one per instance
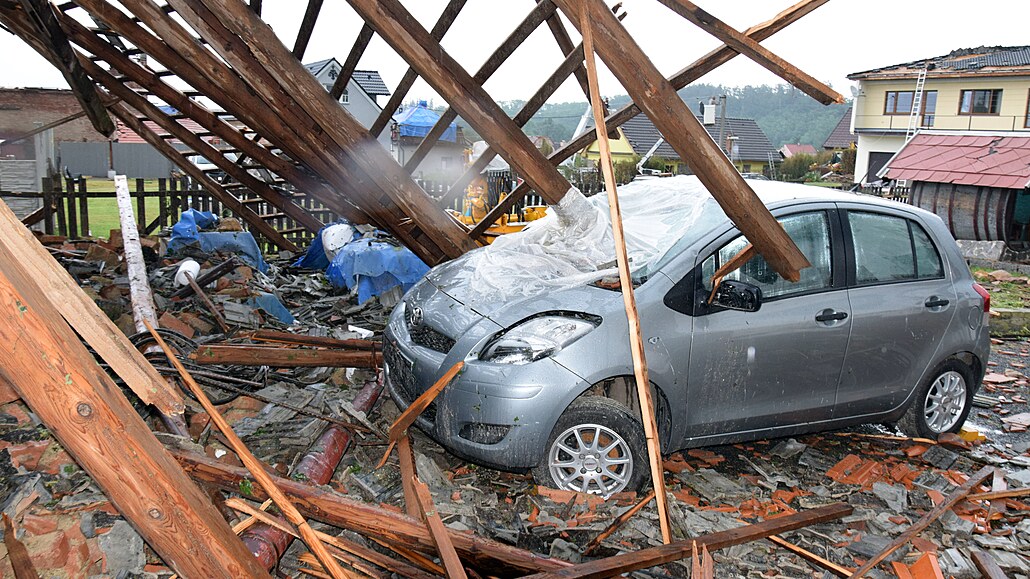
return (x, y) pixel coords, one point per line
(795, 168)
(847, 161)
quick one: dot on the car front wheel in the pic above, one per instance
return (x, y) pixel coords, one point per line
(596, 447)
(942, 403)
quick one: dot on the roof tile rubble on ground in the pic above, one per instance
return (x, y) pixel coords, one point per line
(997, 161)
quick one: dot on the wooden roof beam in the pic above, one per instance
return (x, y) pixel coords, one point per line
(687, 75)
(529, 24)
(561, 36)
(755, 51)
(351, 64)
(399, 28)
(442, 25)
(307, 26)
(43, 17)
(224, 197)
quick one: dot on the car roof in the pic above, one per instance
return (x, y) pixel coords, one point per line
(778, 193)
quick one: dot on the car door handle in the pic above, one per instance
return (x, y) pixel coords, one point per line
(936, 302)
(831, 316)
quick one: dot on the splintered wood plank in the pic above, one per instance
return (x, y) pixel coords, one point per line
(282, 357)
(687, 75)
(400, 29)
(406, 457)
(44, 360)
(17, 554)
(255, 466)
(756, 52)
(677, 550)
(455, 570)
(142, 298)
(88, 320)
(411, 413)
(671, 116)
(987, 565)
(636, 339)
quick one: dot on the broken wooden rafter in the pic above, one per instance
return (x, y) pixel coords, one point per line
(255, 466)
(677, 550)
(755, 51)
(17, 554)
(199, 292)
(224, 197)
(529, 24)
(953, 498)
(399, 28)
(307, 26)
(351, 63)
(438, 532)
(43, 359)
(88, 320)
(276, 75)
(317, 341)
(400, 425)
(687, 75)
(41, 14)
(561, 36)
(443, 24)
(329, 507)
(141, 297)
(279, 357)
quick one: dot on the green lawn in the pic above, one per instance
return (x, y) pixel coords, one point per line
(103, 212)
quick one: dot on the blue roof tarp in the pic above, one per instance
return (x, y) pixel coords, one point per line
(416, 121)
(188, 233)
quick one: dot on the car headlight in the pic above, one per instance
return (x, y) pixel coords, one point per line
(535, 339)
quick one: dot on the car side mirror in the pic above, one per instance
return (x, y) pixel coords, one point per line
(738, 295)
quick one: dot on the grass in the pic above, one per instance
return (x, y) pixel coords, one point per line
(1004, 294)
(103, 212)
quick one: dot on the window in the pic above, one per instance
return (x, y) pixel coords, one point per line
(345, 97)
(899, 102)
(811, 233)
(889, 249)
(979, 102)
(929, 107)
(1026, 123)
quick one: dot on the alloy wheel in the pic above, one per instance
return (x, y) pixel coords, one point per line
(590, 458)
(945, 401)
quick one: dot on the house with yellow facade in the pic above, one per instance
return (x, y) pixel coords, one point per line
(975, 89)
(744, 142)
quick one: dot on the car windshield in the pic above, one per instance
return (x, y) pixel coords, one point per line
(573, 245)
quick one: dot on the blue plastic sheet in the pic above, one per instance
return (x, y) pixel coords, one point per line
(375, 267)
(273, 307)
(188, 232)
(418, 120)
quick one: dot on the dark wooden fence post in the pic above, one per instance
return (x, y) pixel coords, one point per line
(48, 203)
(62, 223)
(84, 208)
(141, 206)
(72, 212)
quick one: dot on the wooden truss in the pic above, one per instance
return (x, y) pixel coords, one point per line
(292, 155)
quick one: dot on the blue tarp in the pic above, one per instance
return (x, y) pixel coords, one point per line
(375, 267)
(273, 307)
(188, 233)
(416, 121)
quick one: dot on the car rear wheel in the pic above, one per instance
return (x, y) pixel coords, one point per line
(942, 403)
(596, 447)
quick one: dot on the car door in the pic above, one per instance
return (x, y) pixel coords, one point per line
(902, 301)
(781, 364)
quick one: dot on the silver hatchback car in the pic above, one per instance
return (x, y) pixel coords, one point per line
(887, 325)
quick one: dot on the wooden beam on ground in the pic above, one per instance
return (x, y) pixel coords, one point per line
(687, 75)
(317, 341)
(43, 359)
(671, 116)
(228, 200)
(528, 25)
(954, 497)
(307, 26)
(438, 532)
(335, 509)
(636, 339)
(279, 357)
(17, 554)
(255, 466)
(399, 428)
(199, 292)
(41, 14)
(838, 570)
(755, 51)
(351, 63)
(406, 459)
(88, 320)
(141, 297)
(677, 550)
(399, 28)
(447, 17)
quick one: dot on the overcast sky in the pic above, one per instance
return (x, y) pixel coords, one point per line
(839, 38)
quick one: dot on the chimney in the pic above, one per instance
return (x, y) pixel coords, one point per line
(709, 116)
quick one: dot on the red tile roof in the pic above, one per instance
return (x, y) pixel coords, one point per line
(124, 134)
(989, 161)
(791, 149)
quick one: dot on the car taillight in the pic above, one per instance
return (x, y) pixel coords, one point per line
(985, 295)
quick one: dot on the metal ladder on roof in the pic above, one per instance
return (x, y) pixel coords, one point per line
(917, 106)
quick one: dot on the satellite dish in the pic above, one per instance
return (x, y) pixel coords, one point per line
(854, 91)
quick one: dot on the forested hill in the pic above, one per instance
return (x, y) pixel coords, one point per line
(785, 114)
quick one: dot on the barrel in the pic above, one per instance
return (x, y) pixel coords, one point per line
(971, 212)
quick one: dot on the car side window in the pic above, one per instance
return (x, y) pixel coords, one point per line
(810, 231)
(890, 248)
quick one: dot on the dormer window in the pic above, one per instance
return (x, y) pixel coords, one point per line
(345, 97)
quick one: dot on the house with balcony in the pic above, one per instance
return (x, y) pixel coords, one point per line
(985, 89)
(955, 130)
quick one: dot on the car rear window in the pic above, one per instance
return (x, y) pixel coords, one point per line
(890, 248)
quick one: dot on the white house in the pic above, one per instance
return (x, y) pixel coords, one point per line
(360, 96)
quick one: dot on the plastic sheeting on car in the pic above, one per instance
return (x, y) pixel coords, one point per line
(573, 244)
(188, 232)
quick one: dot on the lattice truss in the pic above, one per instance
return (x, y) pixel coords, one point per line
(296, 156)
